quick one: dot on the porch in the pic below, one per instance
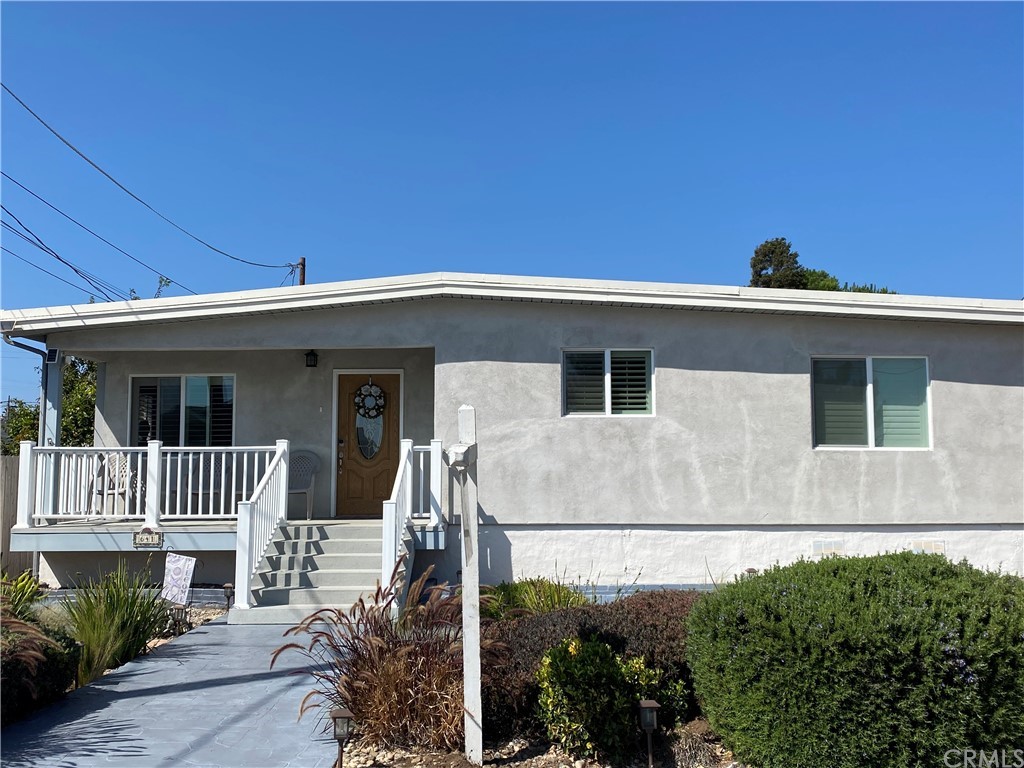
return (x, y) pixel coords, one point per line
(231, 500)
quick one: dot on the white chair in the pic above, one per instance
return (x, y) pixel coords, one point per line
(302, 469)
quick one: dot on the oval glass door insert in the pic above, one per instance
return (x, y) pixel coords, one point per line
(369, 401)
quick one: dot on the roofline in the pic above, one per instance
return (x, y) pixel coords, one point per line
(35, 323)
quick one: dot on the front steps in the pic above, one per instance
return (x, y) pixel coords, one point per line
(308, 566)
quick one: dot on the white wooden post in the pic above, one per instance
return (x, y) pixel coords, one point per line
(243, 555)
(26, 484)
(154, 479)
(473, 711)
(406, 472)
(282, 499)
(388, 546)
(435, 483)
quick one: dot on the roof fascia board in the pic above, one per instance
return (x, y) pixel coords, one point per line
(558, 290)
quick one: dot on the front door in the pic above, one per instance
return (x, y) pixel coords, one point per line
(368, 413)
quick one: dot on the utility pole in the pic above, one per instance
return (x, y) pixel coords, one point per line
(302, 270)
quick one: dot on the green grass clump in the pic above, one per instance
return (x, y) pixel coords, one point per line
(887, 661)
(113, 618)
(21, 594)
(528, 596)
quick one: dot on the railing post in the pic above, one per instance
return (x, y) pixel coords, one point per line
(282, 499)
(389, 545)
(243, 555)
(406, 469)
(154, 481)
(26, 484)
(436, 463)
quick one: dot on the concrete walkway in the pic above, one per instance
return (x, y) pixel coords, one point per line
(208, 698)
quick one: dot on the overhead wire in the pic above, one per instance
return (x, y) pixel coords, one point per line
(100, 237)
(135, 197)
(103, 287)
(94, 280)
(86, 291)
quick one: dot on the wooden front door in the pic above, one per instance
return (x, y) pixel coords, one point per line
(368, 411)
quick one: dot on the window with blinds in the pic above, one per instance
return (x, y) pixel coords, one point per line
(196, 411)
(879, 402)
(607, 382)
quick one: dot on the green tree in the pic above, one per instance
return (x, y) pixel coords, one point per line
(820, 280)
(20, 420)
(776, 265)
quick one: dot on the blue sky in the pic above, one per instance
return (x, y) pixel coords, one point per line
(658, 141)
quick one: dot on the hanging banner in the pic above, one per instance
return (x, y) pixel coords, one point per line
(178, 577)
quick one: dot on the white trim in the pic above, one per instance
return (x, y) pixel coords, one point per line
(36, 323)
(607, 383)
(181, 418)
(870, 403)
(335, 373)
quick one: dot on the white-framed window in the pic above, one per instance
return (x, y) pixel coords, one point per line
(607, 382)
(871, 402)
(193, 410)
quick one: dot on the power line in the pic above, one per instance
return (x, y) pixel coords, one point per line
(100, 237)
(31, 264)
(135, 197)
(101, 285)
(94, 280)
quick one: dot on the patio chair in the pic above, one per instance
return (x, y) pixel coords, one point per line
(302, 469)
(116, 483)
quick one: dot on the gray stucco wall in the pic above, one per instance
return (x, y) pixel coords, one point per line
(730, 442)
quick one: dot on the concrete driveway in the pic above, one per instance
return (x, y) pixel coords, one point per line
(208, 698)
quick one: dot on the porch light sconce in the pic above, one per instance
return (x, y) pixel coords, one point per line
(649, 722)
(342, 719)
(311, 359)
(229, 593)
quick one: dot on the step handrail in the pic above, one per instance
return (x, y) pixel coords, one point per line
(398, 511)
(258, 520)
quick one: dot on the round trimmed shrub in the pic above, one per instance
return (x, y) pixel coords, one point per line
(884, 661)
(649, 625)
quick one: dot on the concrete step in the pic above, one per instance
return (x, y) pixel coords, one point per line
(325, 546)
(322, 562)
(320, 531)
(333, 597)
(287, 615)
(340, 578)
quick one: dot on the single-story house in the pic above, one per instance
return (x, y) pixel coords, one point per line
(626, 433)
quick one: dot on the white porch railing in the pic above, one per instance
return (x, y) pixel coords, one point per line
(149, 483)
(258, 521)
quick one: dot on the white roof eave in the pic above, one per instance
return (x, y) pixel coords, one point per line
(35, 323)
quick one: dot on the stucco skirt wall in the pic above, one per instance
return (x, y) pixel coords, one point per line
(611, 556)
(69, 569)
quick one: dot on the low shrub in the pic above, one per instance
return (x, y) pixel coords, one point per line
(37, 665)
(884, 661)
(114, 619)
(401, 677)
(648, 625)
(528, 596)
(589, 695)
